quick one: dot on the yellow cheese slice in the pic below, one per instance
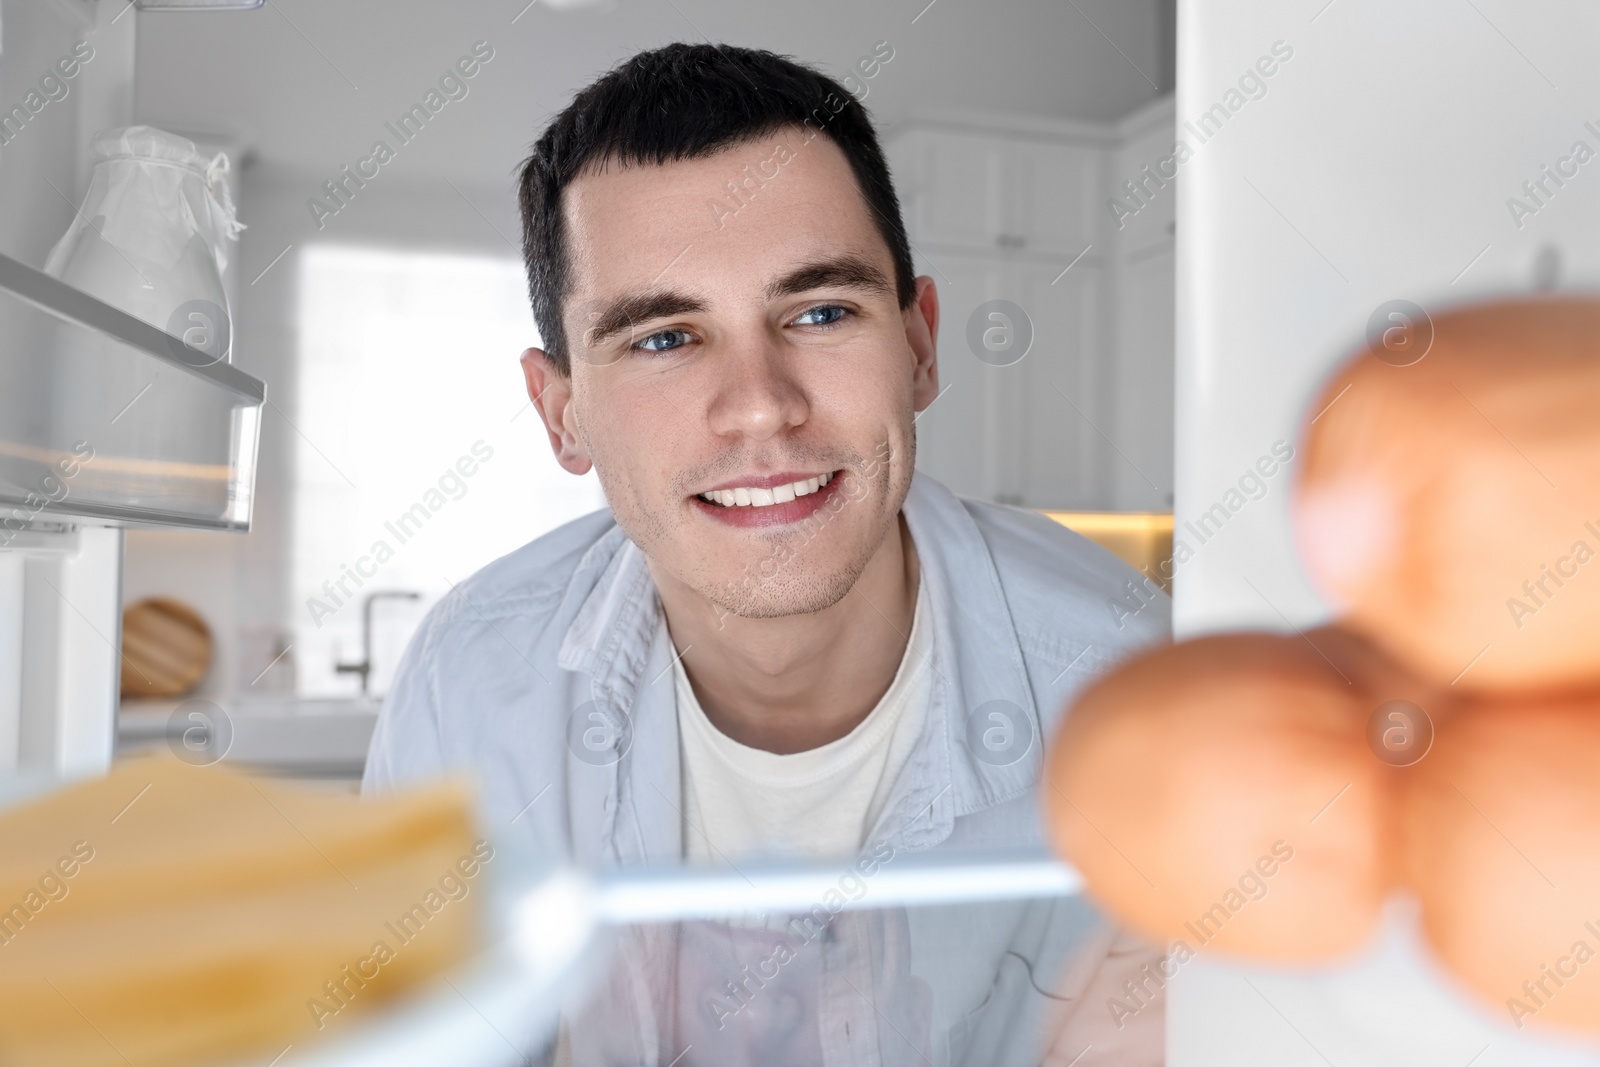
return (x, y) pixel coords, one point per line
(170, 914)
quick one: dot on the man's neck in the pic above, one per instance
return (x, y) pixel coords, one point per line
(797, 682)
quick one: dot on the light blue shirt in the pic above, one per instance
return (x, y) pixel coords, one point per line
(546, 678)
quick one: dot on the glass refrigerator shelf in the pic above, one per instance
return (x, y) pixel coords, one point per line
(79, 437)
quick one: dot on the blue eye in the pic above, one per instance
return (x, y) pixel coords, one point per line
(821, 315)
(664, 341)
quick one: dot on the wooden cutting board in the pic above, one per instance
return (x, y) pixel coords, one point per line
(166, 648)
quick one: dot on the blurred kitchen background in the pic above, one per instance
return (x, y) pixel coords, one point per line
(398, 452)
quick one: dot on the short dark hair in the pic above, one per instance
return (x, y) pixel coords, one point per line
(687, 101)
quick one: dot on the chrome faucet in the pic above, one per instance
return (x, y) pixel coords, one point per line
(364, 668)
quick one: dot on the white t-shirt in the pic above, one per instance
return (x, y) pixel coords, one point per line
(740, 801)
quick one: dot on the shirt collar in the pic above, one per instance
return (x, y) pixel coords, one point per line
(610, 636)
(980, 673)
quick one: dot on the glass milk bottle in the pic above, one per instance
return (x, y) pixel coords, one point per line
(150, 239)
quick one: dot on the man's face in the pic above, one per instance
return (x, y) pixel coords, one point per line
(728, 354)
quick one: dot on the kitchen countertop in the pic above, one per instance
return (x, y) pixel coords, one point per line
(276, 733)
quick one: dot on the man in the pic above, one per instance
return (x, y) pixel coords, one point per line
(779, 640)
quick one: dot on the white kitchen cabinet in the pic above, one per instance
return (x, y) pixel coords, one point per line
(1141, 471)
(1053, 195)
(951, 185)
(1020, 213)
(1025, 432)
(953, 434)
(1060, 448)
(987, 192)
(1143, 179)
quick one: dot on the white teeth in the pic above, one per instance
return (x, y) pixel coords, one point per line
(759, 498)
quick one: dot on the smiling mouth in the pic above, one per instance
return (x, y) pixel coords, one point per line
(757, 497)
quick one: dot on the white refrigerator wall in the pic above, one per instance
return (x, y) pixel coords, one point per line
(1380, 162)
(44, 151)
(1056, 309)
(60, 610)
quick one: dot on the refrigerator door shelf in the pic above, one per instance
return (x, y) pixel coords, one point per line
(105, 417)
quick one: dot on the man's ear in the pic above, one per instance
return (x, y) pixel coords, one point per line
(551, 393)
(922, 332)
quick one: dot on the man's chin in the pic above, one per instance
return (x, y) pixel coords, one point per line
(775, 598)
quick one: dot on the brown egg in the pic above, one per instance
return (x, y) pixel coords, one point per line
(1221, 792)
(1501, 843)
(1451, 507)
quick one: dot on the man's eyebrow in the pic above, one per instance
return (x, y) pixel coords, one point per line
(845, 272)
(623, 314)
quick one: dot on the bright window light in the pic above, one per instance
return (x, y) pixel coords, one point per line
(418, 458)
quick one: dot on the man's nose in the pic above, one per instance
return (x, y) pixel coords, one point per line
(755, 393)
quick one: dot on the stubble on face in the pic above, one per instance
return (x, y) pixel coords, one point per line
(796, 569)
(792, 575)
